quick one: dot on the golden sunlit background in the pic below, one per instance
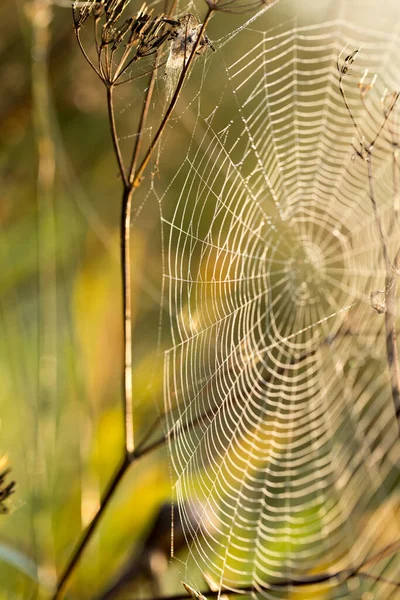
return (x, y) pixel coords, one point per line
(61, 419)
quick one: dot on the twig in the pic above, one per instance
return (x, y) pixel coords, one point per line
(340, 576)
(378, 221)
(128, 460)
(143, 119)
(136, 177)
(82, 48)
(391, 333)
(114, 135)
(131, 181)
(87, 534)
(127, 314)
(392, 271)
(390, 300)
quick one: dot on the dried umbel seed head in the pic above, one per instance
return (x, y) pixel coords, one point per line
(99, 9)
(80, 13)
(120, 40)
(6, 489)
(114, 9)
(238, 6)
(152, 35)
(111, 9)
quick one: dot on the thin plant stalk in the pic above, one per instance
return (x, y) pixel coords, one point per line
(127, 316)
(128, 459)
(338, 577)
(135, 178)
(391, 333)
(390, 299)
(114, 135)
(391, 271)
(130, 181)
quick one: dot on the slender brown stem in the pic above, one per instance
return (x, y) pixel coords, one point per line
(390, 298)
(121, 63)
(384, 122)
(143, 119)
(378, 221)
(130, 183)
(341, 89)
(108, 63)
(136, 177)
(396, 202)
(95, 35)
(114, 135)
(146, 106)
(129, 459)
(390, 310)
(87, 534)
(391, 333)
(127, 314)
(339, 576)
(119, 73)
(373, 119)
(135, 77)
(78, 37)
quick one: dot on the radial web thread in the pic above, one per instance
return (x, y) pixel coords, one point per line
(284, 440)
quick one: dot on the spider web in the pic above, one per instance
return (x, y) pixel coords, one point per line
(284, 440)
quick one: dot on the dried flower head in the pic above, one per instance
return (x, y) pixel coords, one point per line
(80, 14)
(238, 6)
(5, 491)
(120, 40)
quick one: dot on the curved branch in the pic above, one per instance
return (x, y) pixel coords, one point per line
(114, 134)
(340, 576)
(87, 534)
(135, 178)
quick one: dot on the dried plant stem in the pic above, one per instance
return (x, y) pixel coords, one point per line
(343, 94)
(127, 315)
(390, 298)
(89, 531)
(127, 461)
(338, 577)
(114, 135)
(143, 119)
(396, 203)
(146, 106)
(392, 271)
(82, 49)
(131, 180)
(391, 334)
(125, 278)
(378, 221)
(136, 177)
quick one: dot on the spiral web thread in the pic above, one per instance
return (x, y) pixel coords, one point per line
(284, 440)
